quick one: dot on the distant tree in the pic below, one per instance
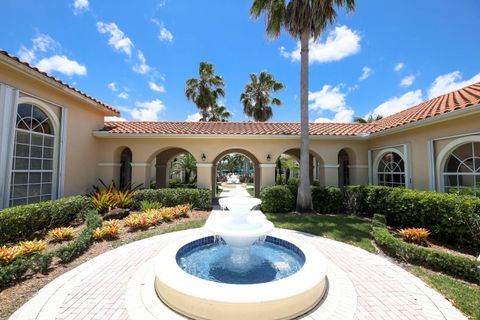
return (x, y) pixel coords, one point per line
(185, 163)
(369, 119)
(256, 100)
(218, 113)
(205, 90)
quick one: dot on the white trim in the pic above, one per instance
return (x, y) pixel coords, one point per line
(109, 164)
(370, 167)
(443, 155)
(204, 165)
(431, 165)
(62, 151)
(140, 164)
(329, 166)
(267, 165)
(408, 176)
(380, 156)
(357, 166)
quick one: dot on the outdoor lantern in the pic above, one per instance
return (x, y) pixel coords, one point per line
(204, 157)
(269, 157)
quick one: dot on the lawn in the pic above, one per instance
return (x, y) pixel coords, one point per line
(465, 296)
(348, 229)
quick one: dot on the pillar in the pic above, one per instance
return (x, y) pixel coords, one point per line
(141, 174)
(267, 174)
(204, 175)
(358, 174)
(331, 175)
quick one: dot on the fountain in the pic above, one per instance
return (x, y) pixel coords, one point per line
(239, 270)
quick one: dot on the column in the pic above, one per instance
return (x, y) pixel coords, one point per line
(204, 175)
(141, 173)
(358, 174)
(267, 174)
(331, 175)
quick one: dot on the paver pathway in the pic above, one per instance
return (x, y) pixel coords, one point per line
(96, 289)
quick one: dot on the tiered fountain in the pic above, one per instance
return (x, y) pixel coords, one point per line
(239, 271)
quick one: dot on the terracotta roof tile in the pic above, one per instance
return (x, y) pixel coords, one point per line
(102, 104)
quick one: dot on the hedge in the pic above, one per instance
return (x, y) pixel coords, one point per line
(327, 200)
(277, 199)
(41, 262)
(25, 222)
(437, 260)
(197, 198)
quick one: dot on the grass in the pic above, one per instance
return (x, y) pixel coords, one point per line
(348, 229)
(464, 296)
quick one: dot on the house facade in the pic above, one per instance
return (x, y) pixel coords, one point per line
(54, 143)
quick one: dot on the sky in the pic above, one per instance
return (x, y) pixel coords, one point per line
(136, 55)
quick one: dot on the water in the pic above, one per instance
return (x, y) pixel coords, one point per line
(264, 262)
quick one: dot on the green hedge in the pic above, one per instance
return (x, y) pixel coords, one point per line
(197, 198)
(437, 260)
(277, 199)
(327, 200)
(25, 222)
(41, 262)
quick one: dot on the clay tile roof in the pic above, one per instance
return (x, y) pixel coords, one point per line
(234, 128)
(109, 108)
(456, 100)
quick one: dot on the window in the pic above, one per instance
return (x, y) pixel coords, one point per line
(32, 177)
(391, 170)
(461, 172)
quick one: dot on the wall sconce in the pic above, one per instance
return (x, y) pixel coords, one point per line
(204, 157)
(269, 157)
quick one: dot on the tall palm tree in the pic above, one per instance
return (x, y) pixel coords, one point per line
(218, 113)
(205, 90)
(185, 163)
(303, 19)
(369, 119)
(256, 100)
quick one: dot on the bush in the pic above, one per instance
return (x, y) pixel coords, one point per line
(9, 254)
(176, 183)
(277, 199)
(61, 234)
(415, 235)
(138, 221)
(109, 230)
(437, 260)
(29, 248)
(147, 205)
(327, 200)
(26, 222)
(197, 198)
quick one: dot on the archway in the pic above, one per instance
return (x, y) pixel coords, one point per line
(288, 167)
(248, 170)
(126, 168)
(173, 167)
(343, 168)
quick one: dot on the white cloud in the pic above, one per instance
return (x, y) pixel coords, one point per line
(123, 95)
(118, 119)
(397, 104)
(148, 110)
(330, 99)
(26, 55)
(117, 40)
(194, 117)
(43, 42)
(165, 35)
(366, 73)
(450, 82)
(399, 66)
(155, 87)
(340, 43)
(408, 81)
(61, 64)
(80, 6)
(112, 86)
(142, 67)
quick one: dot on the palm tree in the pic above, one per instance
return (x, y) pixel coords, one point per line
(369, 119)
(205, 90)
(185, 163)
(256, 97)
(218, 113)
(303, 19)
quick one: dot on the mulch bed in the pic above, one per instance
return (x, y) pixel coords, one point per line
(14, 297)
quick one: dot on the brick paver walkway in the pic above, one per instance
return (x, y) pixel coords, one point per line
(96, 289)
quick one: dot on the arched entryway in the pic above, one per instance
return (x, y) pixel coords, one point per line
(173, 167)
(247, 169)
(343, 168)
(125, 168)
(288, 164)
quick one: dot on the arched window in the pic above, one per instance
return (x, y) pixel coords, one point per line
(33, 157)
(391, 170)
(461, 172)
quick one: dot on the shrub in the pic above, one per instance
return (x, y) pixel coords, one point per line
(147, 205)
(31, 247)
(182, 210)
(293, 181)
(106, 197)
(327, 199)
(109, 230)
(103, 201)
(155, 216)
(415, 235)
(437, 260)
(26, 222)
(197, 198)
(9, 254)
(138, 221)
(277, 199)
(168, 214)
(61, 234)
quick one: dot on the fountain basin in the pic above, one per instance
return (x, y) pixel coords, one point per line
(198, 298)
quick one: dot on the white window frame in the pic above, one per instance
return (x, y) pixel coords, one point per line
(379, 157)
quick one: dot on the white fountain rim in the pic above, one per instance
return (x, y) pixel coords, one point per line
(312, 272)
(221, 229)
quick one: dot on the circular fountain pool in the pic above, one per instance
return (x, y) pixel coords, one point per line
(266, 261)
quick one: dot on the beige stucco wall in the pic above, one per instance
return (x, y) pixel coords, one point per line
(82, 120)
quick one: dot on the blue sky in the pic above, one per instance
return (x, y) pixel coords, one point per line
(385, 56)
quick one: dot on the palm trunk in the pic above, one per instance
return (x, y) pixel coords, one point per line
(304, 198)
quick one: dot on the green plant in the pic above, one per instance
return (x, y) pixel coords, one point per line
(327, 200)
(61, 234)
(109, 230)
(277, 199)
(105, 197)
(415, 235)
(33, 220)
(437, 260)
(9, 254)
(31, 247)
(197, 198)
(103, 200)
